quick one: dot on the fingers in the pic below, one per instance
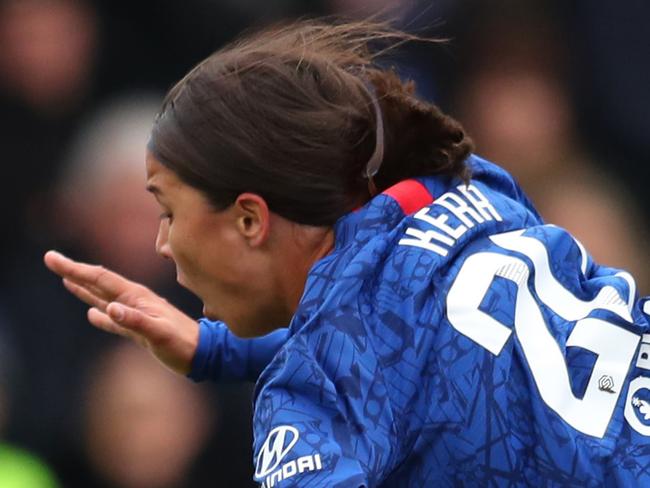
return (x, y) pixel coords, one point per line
(90, 288)
(134, 320)
(103, 321)
(128, 309)
(96, 279)
(85, 295)
(173, 344)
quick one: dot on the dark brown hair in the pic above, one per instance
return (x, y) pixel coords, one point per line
(288, 113)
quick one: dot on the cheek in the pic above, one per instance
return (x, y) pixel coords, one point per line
(181, 245)
(209, 255)
(193, 251)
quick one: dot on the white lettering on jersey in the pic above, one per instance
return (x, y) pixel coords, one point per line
(479, 201)
(635, 402)
(470, 208)
(643, 359)
(614, 345)
(278, 444)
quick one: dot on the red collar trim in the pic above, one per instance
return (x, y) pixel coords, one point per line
(411, 195)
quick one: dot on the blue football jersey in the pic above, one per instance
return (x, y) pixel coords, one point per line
(452, 338)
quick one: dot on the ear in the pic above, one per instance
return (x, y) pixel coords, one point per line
(252, 218)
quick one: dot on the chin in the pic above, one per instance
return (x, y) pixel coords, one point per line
(209, 314)
(240, 327)
(181, 281)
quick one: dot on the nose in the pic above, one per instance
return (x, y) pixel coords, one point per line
(162, 244)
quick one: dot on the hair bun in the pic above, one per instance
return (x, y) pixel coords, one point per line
(420, 138)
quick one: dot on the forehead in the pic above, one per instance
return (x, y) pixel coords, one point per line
(159, 177)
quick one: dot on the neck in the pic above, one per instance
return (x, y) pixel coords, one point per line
(310, 245)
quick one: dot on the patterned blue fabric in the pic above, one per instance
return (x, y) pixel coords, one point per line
(222, 356)
(467, 344)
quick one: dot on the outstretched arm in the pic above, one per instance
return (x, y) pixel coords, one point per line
(203, 351)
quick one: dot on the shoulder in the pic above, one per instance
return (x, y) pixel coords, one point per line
(324, 392)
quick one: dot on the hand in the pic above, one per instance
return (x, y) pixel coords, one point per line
(131, 310)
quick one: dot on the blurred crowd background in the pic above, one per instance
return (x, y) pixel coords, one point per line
(556, 91)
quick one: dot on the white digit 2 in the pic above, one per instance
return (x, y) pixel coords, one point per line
(614, 345)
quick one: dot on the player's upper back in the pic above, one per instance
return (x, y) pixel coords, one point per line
(427, 347)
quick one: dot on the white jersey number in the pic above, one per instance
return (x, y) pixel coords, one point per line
(614, 345)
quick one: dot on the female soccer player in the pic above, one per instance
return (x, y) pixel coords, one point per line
(438, 332)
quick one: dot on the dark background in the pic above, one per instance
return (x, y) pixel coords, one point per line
(555, 91)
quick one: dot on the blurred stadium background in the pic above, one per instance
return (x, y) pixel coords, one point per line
(556, 91)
